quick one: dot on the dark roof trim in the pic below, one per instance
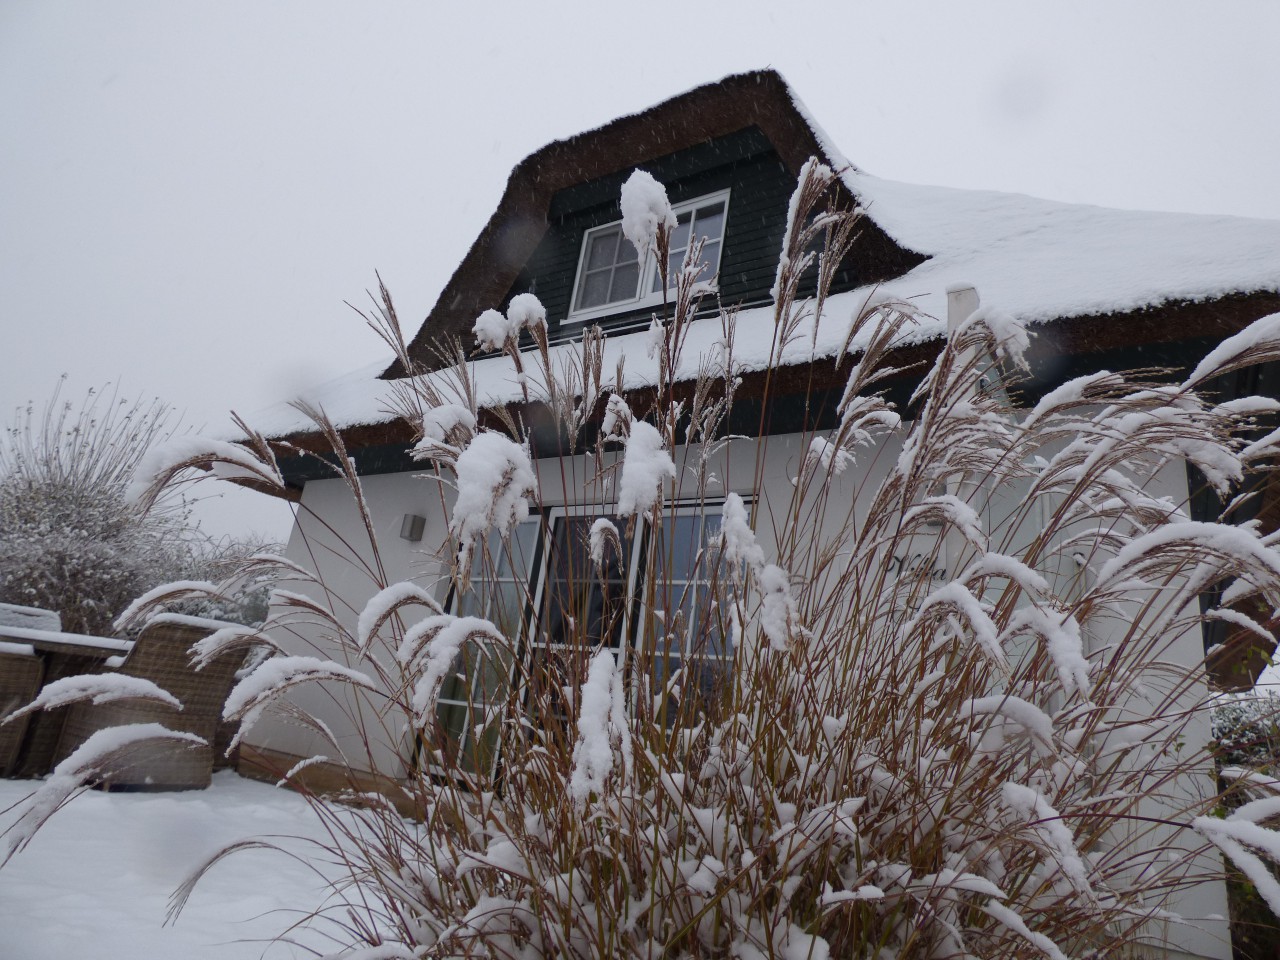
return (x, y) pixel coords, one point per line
(1168, 335)
(761, 99)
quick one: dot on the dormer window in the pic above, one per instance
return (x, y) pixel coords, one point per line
(704, 219)
(613, 277)
(610, 269)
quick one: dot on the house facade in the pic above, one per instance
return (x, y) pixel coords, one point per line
(1100, 289)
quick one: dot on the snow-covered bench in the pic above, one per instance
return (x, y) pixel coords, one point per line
(31, 618)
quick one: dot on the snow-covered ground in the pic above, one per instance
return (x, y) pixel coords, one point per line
(96, 880)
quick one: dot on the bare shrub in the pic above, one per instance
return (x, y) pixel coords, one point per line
(1247, 730)
(70, 538)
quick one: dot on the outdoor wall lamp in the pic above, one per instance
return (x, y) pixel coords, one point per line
(411, 527)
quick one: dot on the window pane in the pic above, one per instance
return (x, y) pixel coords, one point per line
(674, 261)
(664, 668)
(710, 221)
(670, 619)
(493, 672)
(580, 609)
(710, 546)
(627, 252)
(469, 604)
(595, 289)
(520, 552)
(687, 632)
(711, 262)
(453, 724)
(455, 686)
(681, 541)
(625, 278)
(482, 746)
(506, 607)
(701, 681)
(481, 677)
(555, 674)
(705, 677)
(602, 248)
(680, 236)
(705, 634)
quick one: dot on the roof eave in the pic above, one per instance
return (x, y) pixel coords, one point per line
(1102, 335)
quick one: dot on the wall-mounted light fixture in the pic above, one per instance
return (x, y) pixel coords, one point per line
(411, 527)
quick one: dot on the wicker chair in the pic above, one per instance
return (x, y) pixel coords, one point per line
(160, 654)
(21, 672)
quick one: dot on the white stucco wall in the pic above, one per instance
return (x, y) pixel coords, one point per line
(330, 538)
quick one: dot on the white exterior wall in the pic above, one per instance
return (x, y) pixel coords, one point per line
(330, 539)
(1204, 906)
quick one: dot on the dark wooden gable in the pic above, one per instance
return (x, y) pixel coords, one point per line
(744, 163)
(552, 192)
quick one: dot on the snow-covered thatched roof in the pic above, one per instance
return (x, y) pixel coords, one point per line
(1039, 260)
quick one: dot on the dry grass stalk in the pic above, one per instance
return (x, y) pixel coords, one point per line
(920, 745)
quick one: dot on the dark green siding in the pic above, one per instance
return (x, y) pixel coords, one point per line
(744, 163)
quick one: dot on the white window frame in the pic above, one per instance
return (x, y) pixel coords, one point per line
(648, 265)
(537, 577)
(471, 682)
(538, 574)
(553, 516)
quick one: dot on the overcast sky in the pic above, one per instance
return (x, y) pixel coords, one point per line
(190, 191)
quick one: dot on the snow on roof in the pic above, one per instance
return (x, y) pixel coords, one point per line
(1042, 260)
(354, 398)
(1037, 259)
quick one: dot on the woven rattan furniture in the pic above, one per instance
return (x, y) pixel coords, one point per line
(161, 655)
(21, 672)
(62, 655)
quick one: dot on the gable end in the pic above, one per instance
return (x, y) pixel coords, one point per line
(578, 168)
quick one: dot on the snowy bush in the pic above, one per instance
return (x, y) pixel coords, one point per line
(77, 536)
(1246, 732)
(70, 538)
(934, 758)
(1246, 729)
(246, 585)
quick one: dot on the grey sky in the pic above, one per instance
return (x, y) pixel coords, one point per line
(189, 191)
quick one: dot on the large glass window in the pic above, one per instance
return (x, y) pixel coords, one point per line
(546, 595)
(472, 696)
(688, 630)
(613, 275)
